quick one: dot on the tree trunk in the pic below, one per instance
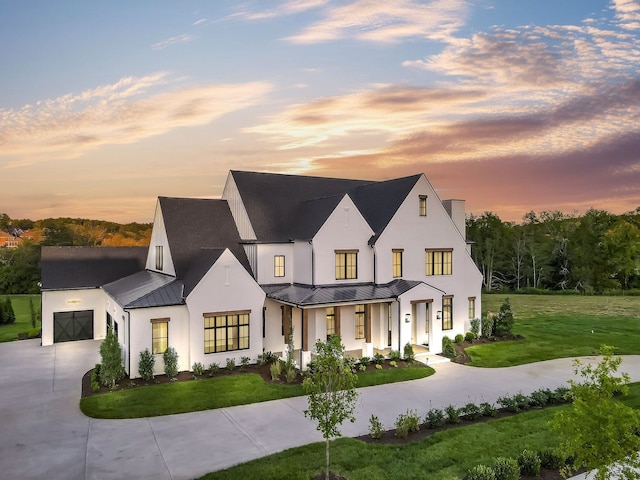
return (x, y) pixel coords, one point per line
(326, 473)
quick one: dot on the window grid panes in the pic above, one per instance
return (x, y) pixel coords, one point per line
(447, 313)
(159, 337)
(224, 333)
(439, 262)
(422, 205)
(331, 321)
(360, 321)
(346, 265)
(397, 263)
(278, 266)
(159, 257)
(472, 307)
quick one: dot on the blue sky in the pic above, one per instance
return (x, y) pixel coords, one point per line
(512, 105)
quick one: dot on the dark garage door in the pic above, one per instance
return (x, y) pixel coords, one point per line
(69, 326)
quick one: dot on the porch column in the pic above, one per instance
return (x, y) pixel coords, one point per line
(305, 354)
(367, 350)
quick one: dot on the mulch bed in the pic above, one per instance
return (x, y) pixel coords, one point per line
(186, 376)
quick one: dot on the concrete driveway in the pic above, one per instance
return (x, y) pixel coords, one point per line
(44, 434)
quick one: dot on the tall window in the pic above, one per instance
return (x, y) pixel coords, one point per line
(159, 335)
(472, 307)
(346, 264)
(422, 205)
(439, 262)
(331, 321)
(109, 322)
(159, 257)
(447, 313)
(278, 266)
(224, 332)
(360, 321)
(397, 262)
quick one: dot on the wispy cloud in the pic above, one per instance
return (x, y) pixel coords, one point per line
(386, 22)
(628, 13)
(70, 125)
(184, 38)
(200, 21)
(285, 8)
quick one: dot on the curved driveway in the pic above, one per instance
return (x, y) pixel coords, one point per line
(43, 434)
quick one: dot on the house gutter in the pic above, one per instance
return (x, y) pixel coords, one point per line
(399, 325)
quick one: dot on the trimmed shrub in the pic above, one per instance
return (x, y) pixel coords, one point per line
(213, 368)
(459, 338)
(480, 472)
(561, 395)
(475, 327)
(244, 362)
(488, 409)
(378, 358)
(231, 364)
(469, 337)
(539, 398)
(111, 368)
(523, 401)
(197, 368)
(365, 361)
(393, 364)
(447, 347)
(452, 414)
(487, 327)
(394, 355)
(145, 365)
(434, 418)
(551, 458)
(378, 366)
(407, 422)
(409, 354)
(170, 358)
(529, 463)
(506, 469)
(363, 367)
(503, 322)
(510, 404)
(471, 411)
(375, 427)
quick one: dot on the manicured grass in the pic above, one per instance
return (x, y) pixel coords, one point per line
(20, 305)
(557, 326)
(441, 456)
(218, 392)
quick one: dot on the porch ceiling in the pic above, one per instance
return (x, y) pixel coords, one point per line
(308, 295)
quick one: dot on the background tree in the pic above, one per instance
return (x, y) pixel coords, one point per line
(111, 369)
(331, 389)
(600, 433)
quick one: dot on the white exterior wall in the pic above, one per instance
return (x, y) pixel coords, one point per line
(159, 237)
(303, 262)
(413, 233)
(266, 254)
(227, 287)
(345, 229)
(70, 301)
(141, 336)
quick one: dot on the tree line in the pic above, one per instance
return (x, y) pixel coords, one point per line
(20, 266)
(595, 253)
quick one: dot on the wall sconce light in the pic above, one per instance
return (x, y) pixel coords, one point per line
(407, 318)
(438, 314)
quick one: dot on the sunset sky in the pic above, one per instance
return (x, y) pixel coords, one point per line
(511, 105)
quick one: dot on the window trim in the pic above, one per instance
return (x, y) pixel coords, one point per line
(154, 322)
(444, 267)
(472, 308)
(422, 205)
(347, 271)
(447, 308)
(215, 328)
(395, 265)
(279, 271)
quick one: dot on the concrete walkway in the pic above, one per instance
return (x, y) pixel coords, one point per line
(44, 434)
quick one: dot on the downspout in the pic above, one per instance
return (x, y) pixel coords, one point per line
(375, 265)
(129, 340)
(399, 325)
(301, 335)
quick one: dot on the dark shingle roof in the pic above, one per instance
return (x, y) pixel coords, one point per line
(286, 207)
(199, 267)
(307, 295)
(146, 289)
(193, 224)
(88, 267)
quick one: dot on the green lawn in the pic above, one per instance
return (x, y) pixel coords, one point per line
(441, 456)
(23, 316)
(217, 392)
(557, 326)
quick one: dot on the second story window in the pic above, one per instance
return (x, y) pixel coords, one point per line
(439, 262)
(346, 264)
(472, 307)
(159, 257)
(278, 266)
(397, 262)
(422, 205)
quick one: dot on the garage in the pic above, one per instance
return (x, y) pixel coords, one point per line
(69, 326)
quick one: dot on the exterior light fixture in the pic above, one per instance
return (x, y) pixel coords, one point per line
(407, 318)
(438, 314)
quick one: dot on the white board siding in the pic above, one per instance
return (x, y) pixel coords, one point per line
(239, 212)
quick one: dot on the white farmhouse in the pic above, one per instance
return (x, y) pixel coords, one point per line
(382, 264)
